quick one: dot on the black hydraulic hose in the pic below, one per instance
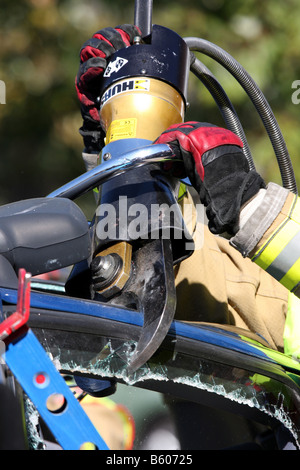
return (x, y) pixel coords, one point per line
(262, 106)
(224, 104)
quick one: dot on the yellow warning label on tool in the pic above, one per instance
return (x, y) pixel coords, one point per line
(122, 129)
(142, 84)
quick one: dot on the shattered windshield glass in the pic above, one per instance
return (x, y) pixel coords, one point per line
(177, 373)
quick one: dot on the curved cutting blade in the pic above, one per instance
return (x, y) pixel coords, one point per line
(156, 291)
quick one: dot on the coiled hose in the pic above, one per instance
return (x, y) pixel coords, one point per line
(258, 99)
(224, 104)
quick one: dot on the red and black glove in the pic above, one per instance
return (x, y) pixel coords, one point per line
(93, 60)
(217, 168)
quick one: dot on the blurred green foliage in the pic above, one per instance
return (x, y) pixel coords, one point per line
(40, 42)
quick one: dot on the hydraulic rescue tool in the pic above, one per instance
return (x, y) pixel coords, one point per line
(143, 91)
(116, 311)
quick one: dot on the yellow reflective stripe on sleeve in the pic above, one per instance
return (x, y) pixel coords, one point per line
(280, 254)
(276, 249)
(292, 278)
(276, 243)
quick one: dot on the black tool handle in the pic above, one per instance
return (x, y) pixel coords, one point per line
(143, 16)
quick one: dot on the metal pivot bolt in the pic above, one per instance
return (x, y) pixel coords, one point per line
(105, 269)
(106, 156)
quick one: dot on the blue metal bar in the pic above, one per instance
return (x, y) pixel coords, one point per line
(40, 380)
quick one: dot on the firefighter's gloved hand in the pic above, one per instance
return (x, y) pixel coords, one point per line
(217, 168)
(93, 60)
